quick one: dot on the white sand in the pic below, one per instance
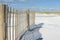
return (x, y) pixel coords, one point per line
(51, 27)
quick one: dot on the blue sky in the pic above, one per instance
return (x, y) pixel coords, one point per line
(37, 5)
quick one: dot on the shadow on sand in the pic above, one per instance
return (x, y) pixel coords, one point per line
(33, 33)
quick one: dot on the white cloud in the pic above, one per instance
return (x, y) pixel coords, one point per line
(44, 9)
(23, 0)
(7, 0)
(13, 4)
(13, 0)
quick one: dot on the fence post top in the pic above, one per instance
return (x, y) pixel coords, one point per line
(4, 4)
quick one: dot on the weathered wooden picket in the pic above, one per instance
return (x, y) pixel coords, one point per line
(14, 23)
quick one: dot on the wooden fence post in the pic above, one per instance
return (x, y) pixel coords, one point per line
(2, 26)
